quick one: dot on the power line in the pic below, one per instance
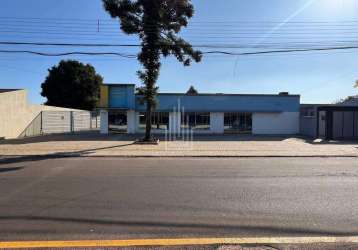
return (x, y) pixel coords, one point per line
(280, 51)
(69, 53)
(222, 46)
(205, 52)
(194, 21)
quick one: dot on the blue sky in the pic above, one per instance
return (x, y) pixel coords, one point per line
(319, 77)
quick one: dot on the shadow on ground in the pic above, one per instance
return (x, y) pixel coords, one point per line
(25, 158)
(229, 229)
(96, 136)
(80, 136)
(3, 170)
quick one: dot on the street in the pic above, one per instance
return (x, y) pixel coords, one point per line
(128, 198)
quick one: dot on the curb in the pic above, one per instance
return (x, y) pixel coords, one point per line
(16, 158)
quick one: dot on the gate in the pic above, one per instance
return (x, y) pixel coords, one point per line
(338, 122)
(345, 125)
(54, 122)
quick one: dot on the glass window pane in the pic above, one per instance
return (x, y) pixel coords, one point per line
(195, 120)
(117, 121)
(160, 120)
(238, 122)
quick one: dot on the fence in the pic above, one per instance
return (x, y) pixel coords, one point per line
(52, 122)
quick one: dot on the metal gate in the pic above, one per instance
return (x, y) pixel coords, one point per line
(54, 122)
(345, 125)
(337, 122)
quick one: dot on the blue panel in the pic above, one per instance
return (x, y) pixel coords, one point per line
(226, 103)
(121, 96)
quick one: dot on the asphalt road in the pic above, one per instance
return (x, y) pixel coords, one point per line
(116, 198)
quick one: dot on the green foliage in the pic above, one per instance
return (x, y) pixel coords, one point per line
(72, 84)
(157, 24)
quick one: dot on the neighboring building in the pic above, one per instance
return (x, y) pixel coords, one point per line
(349, 101)
(16, 114)
(308, 120)
(335, 121)
(123, 111)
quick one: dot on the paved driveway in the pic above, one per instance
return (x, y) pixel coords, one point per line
(227, 145)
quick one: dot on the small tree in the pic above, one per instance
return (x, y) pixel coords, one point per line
(192, 91)
(157, 23)
(72, 84)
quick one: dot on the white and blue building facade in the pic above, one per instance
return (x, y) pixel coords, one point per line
(122, 110)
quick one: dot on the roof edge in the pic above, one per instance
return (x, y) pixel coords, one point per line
(119, 84)
(215, 94)
(9, 90)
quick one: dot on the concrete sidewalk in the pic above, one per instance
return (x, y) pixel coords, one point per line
(94, 144)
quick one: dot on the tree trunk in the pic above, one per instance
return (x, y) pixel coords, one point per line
(150, 58)
(148, 122)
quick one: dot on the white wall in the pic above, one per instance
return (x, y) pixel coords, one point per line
(104, 121)
(16, 113)
(217, 123)
(284, 123)
(174, 122)
(131, 121)
(262, 123)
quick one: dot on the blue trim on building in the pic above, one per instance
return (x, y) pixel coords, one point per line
(122, 96)
(225, 103)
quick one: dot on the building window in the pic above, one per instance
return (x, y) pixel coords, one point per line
(307, 112)
(117, 121)
(238, 122)
(160, 120)
(195, 120)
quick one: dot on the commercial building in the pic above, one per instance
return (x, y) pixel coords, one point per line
(122, 110)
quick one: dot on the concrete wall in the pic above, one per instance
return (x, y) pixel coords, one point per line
(131, 121)
(308, 126)
(285, 123)
(104, 122)
(217, 123)
(174, 122)
(16, 114)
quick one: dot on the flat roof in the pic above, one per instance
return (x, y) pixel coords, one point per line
(204, 94)
(337, 108)
(223, 94)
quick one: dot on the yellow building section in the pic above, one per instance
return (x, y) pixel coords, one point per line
(103, 100)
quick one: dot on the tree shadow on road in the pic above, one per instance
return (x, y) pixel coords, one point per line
(25, 158)
(78, 136)
(198, 227)
(3, 170)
